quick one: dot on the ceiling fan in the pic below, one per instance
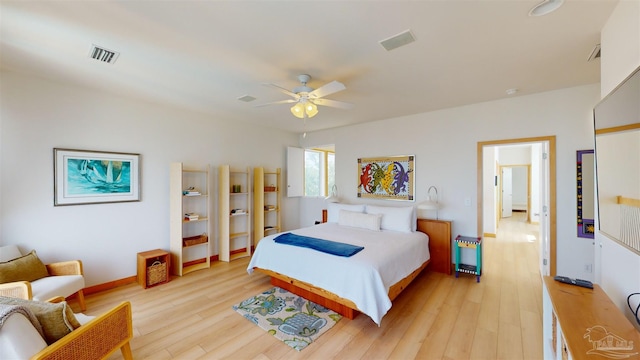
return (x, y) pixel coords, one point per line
(306, 98)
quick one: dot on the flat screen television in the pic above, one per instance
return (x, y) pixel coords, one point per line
(617, 148)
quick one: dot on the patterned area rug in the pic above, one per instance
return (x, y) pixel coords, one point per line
(291, 318)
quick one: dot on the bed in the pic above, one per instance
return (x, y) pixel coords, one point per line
(394, 254)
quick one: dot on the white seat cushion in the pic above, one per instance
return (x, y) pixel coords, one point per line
(51, 286)
(83, 319)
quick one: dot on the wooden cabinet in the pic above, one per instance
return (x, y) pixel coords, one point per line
(153, 268)
(439, 232)
(266, 202)
(189, 225)
(234, 225)
(580, 323)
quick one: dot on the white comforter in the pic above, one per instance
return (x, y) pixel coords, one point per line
(365, 278)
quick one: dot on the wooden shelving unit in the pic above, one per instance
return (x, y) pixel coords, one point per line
(234, 193)
(186, 257)
(266, 202)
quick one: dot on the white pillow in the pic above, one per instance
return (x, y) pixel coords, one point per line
(359, 220)
(19, 339)
(333, 210)
(395, 218)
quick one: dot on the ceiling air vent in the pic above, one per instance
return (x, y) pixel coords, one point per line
(396, 41)
(102, 54)
(595, 53)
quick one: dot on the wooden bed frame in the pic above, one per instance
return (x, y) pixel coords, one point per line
(330, 300)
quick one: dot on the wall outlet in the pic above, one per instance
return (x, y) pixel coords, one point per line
(588, 268)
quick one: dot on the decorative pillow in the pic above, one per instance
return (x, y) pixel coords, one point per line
(359, 220)
(25, 268)
(57, 320)
(395, 218)
(333, 210)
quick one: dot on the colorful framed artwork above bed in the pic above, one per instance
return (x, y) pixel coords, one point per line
(387, 177)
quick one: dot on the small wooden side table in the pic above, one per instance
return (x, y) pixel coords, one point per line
(474, 243)
(153, 268)
(439, 232)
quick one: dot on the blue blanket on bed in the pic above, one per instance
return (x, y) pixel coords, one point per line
(326, 246)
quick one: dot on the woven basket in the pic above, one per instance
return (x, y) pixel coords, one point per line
(156, 273)
(194, 240)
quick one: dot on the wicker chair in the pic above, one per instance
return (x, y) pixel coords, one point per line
(50, 285)
(96, 339)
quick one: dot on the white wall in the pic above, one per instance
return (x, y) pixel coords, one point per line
(520, 187)
(620, 45)
(445, 144)
(515, 155)
(38, 116)
(618, 269)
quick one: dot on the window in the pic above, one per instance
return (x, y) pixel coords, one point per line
(331, 171)
(319, 172)
(310, 172)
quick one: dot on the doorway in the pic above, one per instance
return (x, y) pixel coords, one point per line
(545, 207)
(515, 191)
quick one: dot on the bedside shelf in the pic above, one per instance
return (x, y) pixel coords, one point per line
(473, 243)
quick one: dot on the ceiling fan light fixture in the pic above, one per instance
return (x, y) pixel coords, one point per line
(307, 99)
(545, 7)
(311, 109)
(301, 109)
(298, 110)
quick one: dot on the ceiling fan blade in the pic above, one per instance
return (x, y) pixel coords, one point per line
(327, 89)
(286, 91)
(333, 103)
(278, 102)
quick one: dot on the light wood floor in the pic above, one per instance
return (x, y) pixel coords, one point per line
(437, 317)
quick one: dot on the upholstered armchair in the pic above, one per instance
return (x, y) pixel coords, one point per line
(26, 277)
(50, 330)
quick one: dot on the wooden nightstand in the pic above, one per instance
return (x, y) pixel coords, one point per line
(473, 243)
(439, 232)
(153, 268)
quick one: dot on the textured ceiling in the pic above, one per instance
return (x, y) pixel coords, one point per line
(203, 55)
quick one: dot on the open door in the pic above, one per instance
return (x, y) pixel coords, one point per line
(545, 238)
(507, 192)
(295, 172)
